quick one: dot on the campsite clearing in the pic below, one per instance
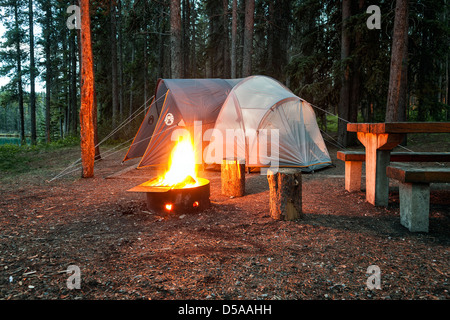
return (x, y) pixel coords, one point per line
(233, 250)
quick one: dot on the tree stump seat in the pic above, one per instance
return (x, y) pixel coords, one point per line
(285, 194)
(232, 176)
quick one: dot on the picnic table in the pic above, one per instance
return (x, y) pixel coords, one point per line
(379, 139)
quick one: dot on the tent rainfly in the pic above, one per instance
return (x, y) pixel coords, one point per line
(256, 118)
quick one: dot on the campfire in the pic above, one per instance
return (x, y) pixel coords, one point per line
(179, 189)
(181, 173)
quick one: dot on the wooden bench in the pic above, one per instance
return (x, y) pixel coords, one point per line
(414, 192)
(354, 160)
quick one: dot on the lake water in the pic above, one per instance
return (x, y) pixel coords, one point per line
(11, 140)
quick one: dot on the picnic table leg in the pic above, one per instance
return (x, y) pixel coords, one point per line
(415, 206)
(378, 153)
(353, 170)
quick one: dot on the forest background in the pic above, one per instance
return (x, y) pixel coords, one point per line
(323, 51)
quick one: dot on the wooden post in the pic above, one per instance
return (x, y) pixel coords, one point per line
(233, 177)
(285, 194)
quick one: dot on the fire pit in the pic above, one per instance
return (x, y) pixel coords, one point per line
(179, 190)
(194, 198)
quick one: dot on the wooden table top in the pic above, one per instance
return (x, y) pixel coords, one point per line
(400, 127)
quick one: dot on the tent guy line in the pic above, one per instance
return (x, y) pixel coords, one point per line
(125, 122)
(105, 155)
(312, 105)
(122, 125)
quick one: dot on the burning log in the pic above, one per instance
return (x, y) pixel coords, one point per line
(186, 182)
(285, 193)
(179, 190)
(233, 177)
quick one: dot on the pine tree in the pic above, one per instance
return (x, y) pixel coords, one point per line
(12, 55)
(46, 42)
(32, 73)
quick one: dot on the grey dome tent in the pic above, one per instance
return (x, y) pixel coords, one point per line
(178, 103)
(259, 105)
(259, 112)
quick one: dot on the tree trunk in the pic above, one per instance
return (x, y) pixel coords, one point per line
(120, 54)
(73, 84)
(160, 64)
(193, 59)
(233, 39)
(64, 107)
(48, 72)
(94, 122)
(73, 47)
(355, 78)
(193, 41)
(226, 42)
(19, 75)
(114, 78)
(344, 101)
(87, 94)
(398, 63)
(240, 40)
(248, 38)
(446, 88)
(403, 100)
(186, 43)
(145, 69)
(32, 75)
(175, 39)
(131, 80)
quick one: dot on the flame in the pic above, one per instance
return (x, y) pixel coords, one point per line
(181, 173)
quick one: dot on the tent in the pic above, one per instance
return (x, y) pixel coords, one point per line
(271, 126)
(256, 118)
(178, 103)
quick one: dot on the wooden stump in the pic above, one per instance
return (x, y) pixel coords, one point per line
(233, 177)
(285, 193)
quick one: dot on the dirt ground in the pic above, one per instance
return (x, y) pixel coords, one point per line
(233, 250)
